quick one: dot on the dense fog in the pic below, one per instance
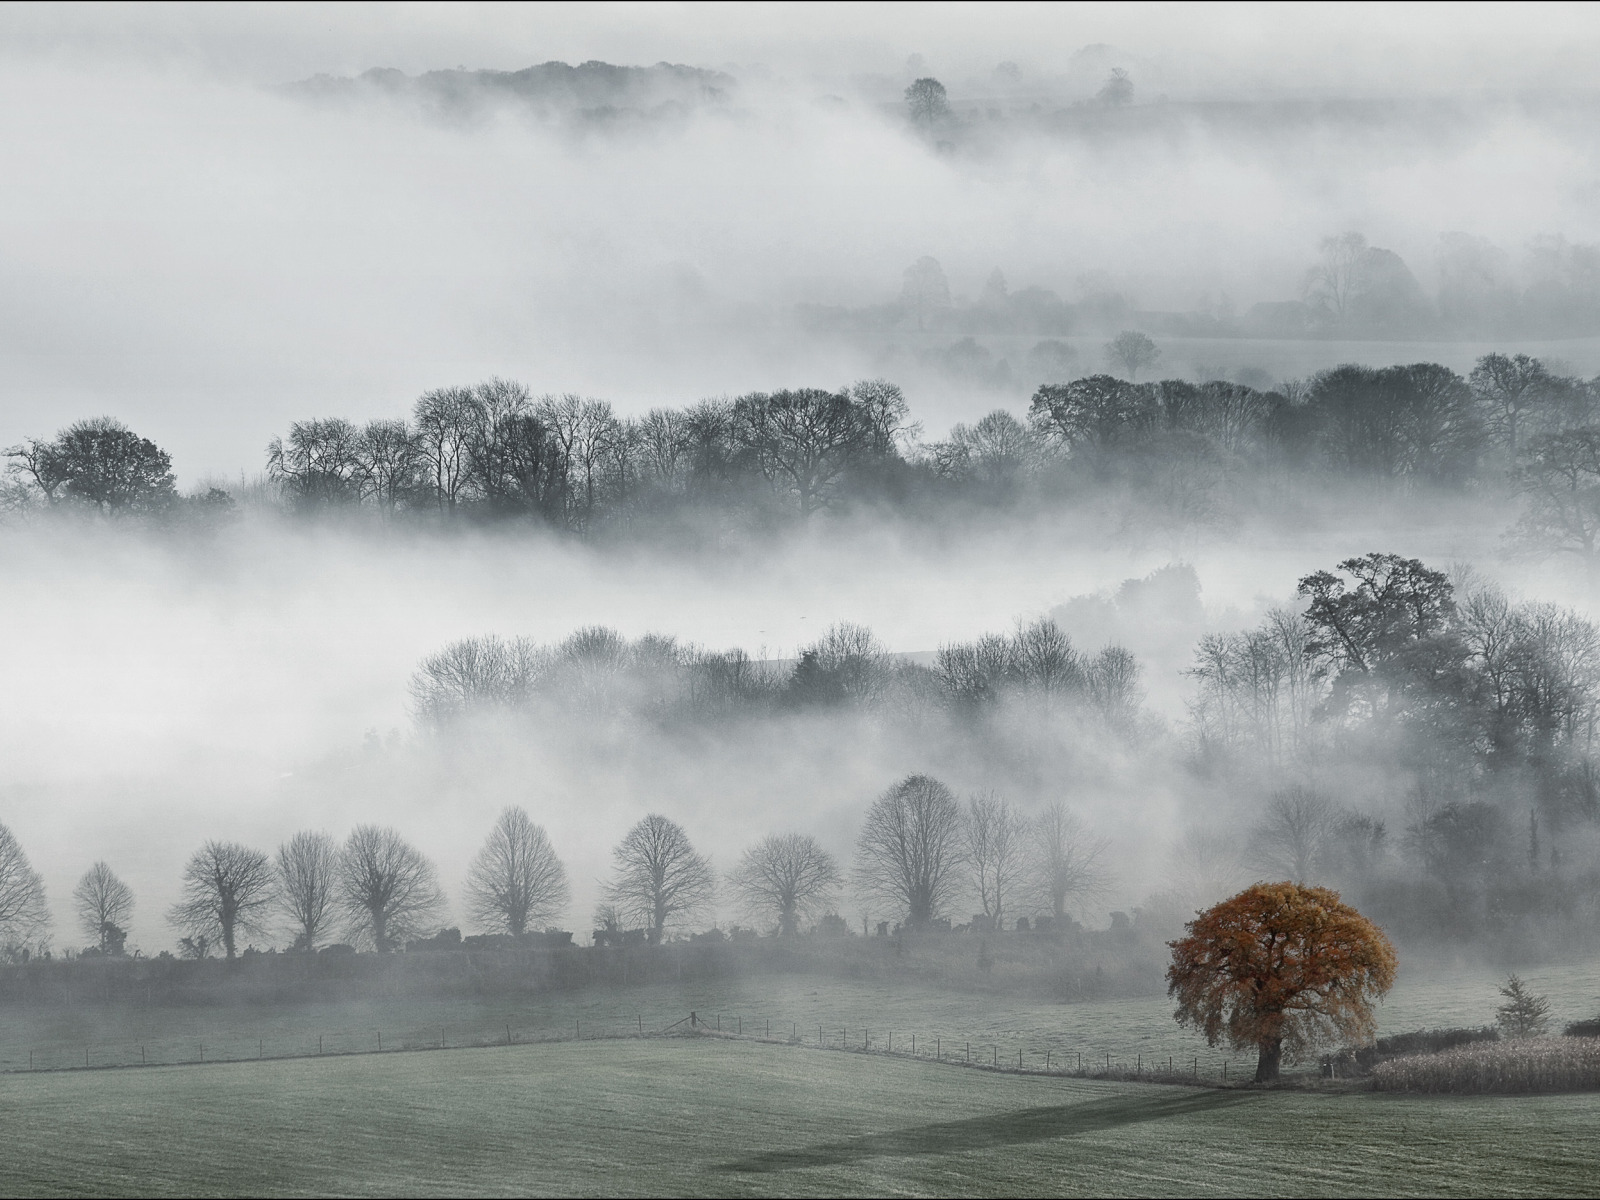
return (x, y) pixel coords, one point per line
(221, 226)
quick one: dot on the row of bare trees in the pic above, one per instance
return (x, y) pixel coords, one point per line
(376, 889)
(598, 671)
(920, 853)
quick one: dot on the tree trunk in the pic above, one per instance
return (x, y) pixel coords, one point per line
(1271, 1051)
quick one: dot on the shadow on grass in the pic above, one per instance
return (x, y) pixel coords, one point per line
(1000, 1129)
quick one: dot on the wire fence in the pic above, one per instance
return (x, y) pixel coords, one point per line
(985, 1053)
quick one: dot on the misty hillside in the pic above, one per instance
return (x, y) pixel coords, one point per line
(590, 90)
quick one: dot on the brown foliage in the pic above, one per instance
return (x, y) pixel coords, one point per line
(1280, 966)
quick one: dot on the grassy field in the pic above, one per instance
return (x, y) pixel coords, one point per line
(713, 1117)
(1130, 1031)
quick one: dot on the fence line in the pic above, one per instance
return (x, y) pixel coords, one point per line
(858, 1040)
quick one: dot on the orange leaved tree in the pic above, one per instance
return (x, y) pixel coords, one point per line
(1279, 967)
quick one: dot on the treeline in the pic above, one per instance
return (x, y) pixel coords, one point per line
(1185, 452)
(1400, 689)
(598, 672)
(921, 854)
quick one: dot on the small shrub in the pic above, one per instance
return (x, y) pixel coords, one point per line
(1523, 1014)
(1589, 1028)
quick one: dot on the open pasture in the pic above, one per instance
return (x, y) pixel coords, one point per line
(712, 1117)
(1131, 1030)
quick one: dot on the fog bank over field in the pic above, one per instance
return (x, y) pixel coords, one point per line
(228, 687)
(208, 256)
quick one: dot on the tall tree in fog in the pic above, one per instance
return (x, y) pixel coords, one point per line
(1132, 351)
(445, 420)
(803, 441)
(388, 890)
(516, 882)
(23, 911)
(1066, 862)
(1509, 387)
(228, 889)
(1295, 832)
(103, 904)
(1559, 473)
(785, 879)
(1336, 279)
(927, 102)
(909, 852)
(995, 837)
(658, 877)
(308, 886)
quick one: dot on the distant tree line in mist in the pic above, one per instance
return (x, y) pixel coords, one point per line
(598, 672)
(1184, 453)
(920, 855)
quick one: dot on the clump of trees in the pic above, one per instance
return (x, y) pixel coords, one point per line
(1477, 711)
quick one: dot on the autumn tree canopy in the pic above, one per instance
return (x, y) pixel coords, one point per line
(1280, 967)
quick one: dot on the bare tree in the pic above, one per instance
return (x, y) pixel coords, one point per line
(516, 881)
(1295, 832)
(909, 849)
(659, 877)
(1334, 282)
(1133, 352)
(308, 881)
(1509, 388)
(103, 903)
(387, 889)
(227, 889)
(24, 914)
(1067, 862)
(787, 878)
(994, 834)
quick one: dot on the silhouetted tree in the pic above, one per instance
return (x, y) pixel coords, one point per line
(786, 879)
(308, 886)
(516, 882)
(1132, 351)
(24, 915)
(1559, 473)
(995, 836)
(388, 890)
(1510, 387)
(227, 889)
(103, 903)
(1066, 863)
(100, 462)
(927, 102)
(318, 464)
(659, 878)
(909, 850)
(1523, 1014)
